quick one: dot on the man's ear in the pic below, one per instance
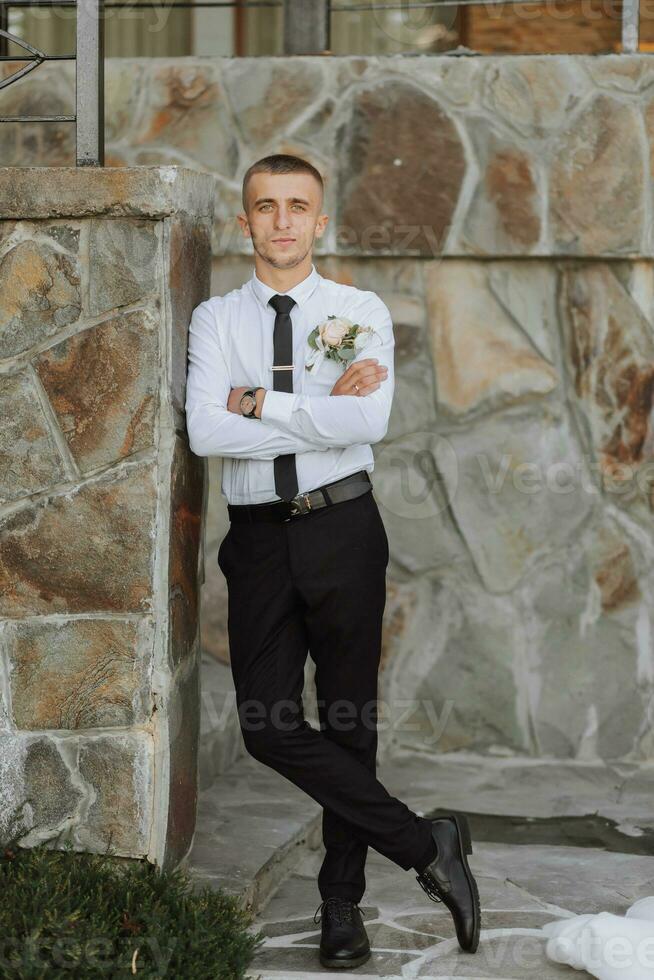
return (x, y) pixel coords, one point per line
(244, 223)
(321, 224)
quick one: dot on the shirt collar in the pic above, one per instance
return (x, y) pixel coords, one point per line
(300, 293)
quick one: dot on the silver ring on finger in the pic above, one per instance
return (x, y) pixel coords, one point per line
(356, 387)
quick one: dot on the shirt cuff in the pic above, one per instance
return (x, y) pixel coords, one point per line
(278, 406)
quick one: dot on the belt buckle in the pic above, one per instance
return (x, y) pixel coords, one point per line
(301, 504)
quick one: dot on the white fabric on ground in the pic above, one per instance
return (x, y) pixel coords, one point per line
(609, 947)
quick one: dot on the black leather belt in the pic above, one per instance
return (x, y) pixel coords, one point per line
(303, 503)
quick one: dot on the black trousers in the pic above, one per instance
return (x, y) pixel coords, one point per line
(317, 584)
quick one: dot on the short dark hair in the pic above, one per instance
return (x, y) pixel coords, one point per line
(280, 163)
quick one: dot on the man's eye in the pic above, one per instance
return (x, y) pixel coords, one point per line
(265, 207)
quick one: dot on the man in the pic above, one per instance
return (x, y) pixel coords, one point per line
(306, 552)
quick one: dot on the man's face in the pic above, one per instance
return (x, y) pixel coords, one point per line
(283, 217)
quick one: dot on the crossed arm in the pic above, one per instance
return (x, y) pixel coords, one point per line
(289, 422)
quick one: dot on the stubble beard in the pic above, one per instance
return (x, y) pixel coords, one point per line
(279, 262)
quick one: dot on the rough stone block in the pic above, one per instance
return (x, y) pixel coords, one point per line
(83, 673)
(118, 773)
(505, 213)
(481, 356)
(268, 98)
(597, 181)
(587, 702)
(610, 357)
(518, 489)
(88, 550)
(29, 457)
(38, 789)
(103, 387)
(124, 260)
(39, 295)
(380, 159)
(186, 108)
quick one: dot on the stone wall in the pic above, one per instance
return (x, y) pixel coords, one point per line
(502, 208)
(101, 504)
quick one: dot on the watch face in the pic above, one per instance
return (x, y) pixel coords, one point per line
(247, 404)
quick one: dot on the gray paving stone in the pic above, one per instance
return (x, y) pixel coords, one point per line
(251, 822)
(386, 936)
(296, 961)
(520, 786)
(574, 878)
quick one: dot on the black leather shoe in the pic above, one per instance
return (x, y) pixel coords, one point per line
(344, 941)
(448, 878)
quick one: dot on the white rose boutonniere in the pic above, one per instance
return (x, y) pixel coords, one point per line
(338, 339)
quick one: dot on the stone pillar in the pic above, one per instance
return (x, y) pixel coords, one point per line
(101, 503)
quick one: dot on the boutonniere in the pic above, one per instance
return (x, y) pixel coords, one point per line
(338, 339)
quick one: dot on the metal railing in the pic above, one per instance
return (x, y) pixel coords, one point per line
(306, 30)
(89, 77)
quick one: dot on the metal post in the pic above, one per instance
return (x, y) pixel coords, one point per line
(4, 26)
(630, 25)
(90, 83)
(306, 26)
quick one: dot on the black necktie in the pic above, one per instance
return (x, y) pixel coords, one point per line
(285, 473)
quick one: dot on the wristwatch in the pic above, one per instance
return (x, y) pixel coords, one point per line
(248, 402)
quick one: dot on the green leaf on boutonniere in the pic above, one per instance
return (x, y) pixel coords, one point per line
(312, 339)
(347, 353)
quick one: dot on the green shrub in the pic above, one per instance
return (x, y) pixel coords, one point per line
(69, 914)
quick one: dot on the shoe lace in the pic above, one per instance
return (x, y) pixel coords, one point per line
(429, 885)
(340, 908)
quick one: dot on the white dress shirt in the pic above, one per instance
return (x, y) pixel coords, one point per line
(231, 344)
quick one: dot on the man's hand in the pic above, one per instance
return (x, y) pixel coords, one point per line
(234, 400)
(361, 378)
